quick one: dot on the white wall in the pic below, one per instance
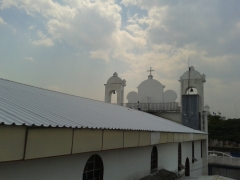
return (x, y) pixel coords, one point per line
(196, 168)
(168, 156)
(130, 163)
(118, 164)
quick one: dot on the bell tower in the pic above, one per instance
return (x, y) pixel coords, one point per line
(193, 104)
(115, 85)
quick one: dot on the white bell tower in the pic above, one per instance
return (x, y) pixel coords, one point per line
(115, 84)
(193, 105)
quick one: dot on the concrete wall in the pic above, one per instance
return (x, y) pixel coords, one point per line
(12, 141)
(224, 166)
(86, 140)
(230, 172)
(168, 156)
(24, 143)
(118, 164)
(173, 116)
(61, 153)
(125, 163)
(44, 142)
(223, 160)
(205, 156)
(196, 168)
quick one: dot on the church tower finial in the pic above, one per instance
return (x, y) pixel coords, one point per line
(150, 75)
(150, 71)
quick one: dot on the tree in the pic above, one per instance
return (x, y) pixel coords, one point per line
(224, 130)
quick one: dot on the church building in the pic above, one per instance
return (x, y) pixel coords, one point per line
(51, 135)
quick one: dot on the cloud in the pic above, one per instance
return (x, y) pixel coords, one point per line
(129, 2)
(91, 27)
(100, 55)
(2, 21)
(32, 27)
(183, 24)
(46, 8)
(29, 59)
(44, 40)
(7, 4)
(83, 24)
(180, 23)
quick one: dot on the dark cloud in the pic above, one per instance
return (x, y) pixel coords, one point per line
(210, 25)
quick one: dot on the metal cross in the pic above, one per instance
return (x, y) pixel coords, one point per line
(150, 71)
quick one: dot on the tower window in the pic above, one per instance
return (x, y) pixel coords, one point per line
(154, 160)
(93, 169)
(179, 157)
(192, 152)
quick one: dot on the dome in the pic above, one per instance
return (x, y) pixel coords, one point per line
(193, 74)
(114, 79)
(150, 90)
(170, 96)
(150, 83)
(132, 97)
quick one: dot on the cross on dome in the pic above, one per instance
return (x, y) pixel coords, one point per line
(150, 71)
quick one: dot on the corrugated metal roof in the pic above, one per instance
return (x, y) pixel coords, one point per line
(26, 105)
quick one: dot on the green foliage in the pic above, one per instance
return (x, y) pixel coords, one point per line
(224, 130)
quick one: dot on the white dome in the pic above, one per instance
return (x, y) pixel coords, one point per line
(132, 97)
(170, 96)
(193, 74)
(150, 83)
(114, 79)
(150, 90)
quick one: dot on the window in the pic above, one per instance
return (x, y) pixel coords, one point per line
(187, 169)
(93, 169)
(179, 157)
(201, 149)
(154, 160)
(192, 152)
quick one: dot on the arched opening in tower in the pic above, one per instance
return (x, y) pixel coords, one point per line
(191, 91)
(113, 97)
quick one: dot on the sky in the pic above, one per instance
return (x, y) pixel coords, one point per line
(74, 46)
